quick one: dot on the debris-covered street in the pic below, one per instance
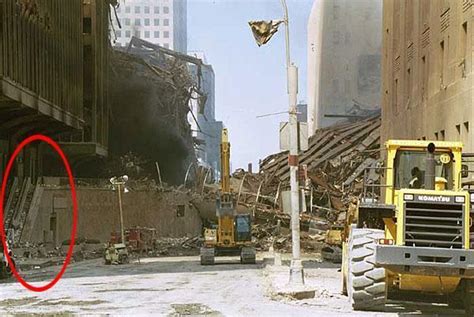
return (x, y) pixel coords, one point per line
(179, 286)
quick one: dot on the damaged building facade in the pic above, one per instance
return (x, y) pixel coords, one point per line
(206, 129)
(344, 76)
(43, 90)
(62, 83)
(427, 70)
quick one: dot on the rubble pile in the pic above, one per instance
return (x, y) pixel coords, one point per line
(177, 246)
(336, 161)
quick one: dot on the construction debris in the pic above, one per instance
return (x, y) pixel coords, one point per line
(336, 164)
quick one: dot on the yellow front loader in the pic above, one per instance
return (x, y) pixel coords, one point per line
(415, 237)
(233, 234)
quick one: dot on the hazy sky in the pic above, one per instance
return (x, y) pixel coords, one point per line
(250, 80)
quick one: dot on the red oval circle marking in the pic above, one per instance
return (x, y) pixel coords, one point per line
(55, 146)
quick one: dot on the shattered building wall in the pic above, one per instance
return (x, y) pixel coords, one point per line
(427, 68)
(344, 53)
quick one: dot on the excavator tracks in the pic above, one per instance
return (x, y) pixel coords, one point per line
(207, 256)
(247, 255)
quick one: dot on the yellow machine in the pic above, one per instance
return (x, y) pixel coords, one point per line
(418, 237)
(233, 235)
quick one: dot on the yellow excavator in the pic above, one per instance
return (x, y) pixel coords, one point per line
(419, 237)
(233, 234)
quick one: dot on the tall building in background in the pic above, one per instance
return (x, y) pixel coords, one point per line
(206, 130)
(427, 71)
(344, 54)
(162, 22)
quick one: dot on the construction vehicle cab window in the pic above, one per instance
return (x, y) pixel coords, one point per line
(237, 157)
(410, 168)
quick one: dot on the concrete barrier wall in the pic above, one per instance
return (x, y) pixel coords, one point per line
(99, 214)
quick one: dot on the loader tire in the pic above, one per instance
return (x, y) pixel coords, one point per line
(366, 282)
(469, 297)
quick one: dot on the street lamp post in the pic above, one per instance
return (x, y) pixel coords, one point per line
(263, 31)
(296, 267)
(119, 182)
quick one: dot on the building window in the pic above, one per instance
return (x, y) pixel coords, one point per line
(147, 34)
(127, 10)
(137, 34)
(464, 50)
(180, 210)
(408, 87)
(166, 10)
(127, 21)
(458, 128)
(166, 22)
(147, 22)
(156, 35)
(166, 45)
(424, 75)
(137, 9)
(166, 34)
(147, 9)
(441, 62)
(156, 22)
(436, 136)
(466, 126)
(395, 95)
(157, 10)
(442, 135)
(128, 34)
(118, 33)
(137, 21)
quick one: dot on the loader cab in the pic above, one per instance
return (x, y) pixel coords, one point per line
(407, 167)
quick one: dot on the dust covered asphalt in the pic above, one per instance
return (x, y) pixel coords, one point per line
(180, 286)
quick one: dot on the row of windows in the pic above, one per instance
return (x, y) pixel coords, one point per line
(462, 131)
(146, 10)
(146, 22)
(165, 45)
(156, 34)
